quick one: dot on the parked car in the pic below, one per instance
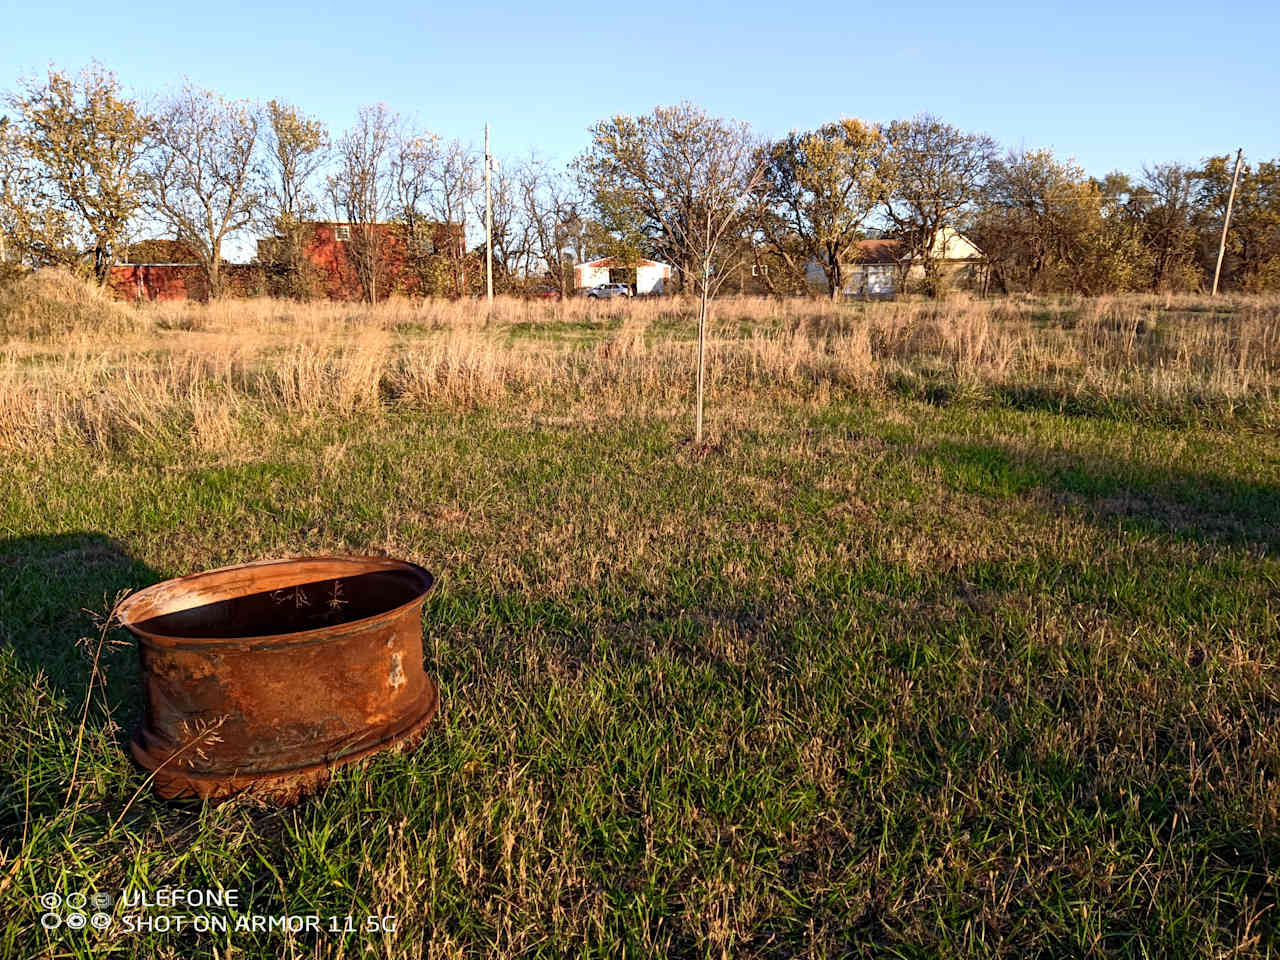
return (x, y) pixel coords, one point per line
(607, 291)
(547, 293)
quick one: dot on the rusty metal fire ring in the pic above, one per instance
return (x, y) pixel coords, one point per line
(264, 677)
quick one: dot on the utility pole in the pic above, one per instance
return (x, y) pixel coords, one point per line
(1222, 244)
(488, 221)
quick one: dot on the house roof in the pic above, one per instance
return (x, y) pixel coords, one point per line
(950, 245)
(878, 251)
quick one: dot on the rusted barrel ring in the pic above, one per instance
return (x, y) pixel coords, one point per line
(265, 676)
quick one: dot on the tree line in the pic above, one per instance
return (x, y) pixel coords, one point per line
(86, 169)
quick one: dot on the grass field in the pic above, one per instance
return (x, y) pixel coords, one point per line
(959, 638)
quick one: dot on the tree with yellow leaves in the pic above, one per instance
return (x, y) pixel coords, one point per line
(820, 187)
(68, 171)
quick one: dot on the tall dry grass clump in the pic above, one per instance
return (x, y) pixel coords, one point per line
(101, 373)
(53, 301)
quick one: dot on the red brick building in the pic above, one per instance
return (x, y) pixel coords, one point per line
(170, 270)
(435, 263)
(158, 270)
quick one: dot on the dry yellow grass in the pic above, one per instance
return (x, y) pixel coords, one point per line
(203, 369)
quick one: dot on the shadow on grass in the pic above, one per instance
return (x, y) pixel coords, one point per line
(51, 590)
(942, 391)
(1162, 499)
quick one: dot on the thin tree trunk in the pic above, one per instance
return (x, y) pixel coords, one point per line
(215, 275)
(702, 338)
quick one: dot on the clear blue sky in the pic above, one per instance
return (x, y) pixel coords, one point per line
(1113, 85)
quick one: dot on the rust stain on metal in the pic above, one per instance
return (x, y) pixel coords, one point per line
(262, 678)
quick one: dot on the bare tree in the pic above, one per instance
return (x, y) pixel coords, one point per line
(297, 147)
(691, 174)
(822, 186)
(510, 230)
(551, 213)
(361, 191)
(205, 180)
(455, 179)
(524, 263)
(938, 173)
(412, 163)
(69, 184)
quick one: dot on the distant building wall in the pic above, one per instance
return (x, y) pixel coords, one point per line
(875, 265)
(589, 275)
(871, 280)
(179, 281)
(332, 249)
(158, 281)
(650, 277)
(328, 248)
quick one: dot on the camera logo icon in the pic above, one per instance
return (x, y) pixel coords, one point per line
(76, 903)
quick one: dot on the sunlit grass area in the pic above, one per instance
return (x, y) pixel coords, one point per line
(959, 637)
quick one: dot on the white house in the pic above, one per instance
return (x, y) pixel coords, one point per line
(646, 276)
(876, 264)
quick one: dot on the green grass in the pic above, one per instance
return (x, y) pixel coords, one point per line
(871, 676)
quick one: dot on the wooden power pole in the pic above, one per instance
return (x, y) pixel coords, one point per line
(488, 222)
(1226, 222)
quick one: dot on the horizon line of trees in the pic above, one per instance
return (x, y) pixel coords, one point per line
(87, 169)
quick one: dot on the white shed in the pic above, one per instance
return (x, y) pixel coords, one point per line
(644, 276)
